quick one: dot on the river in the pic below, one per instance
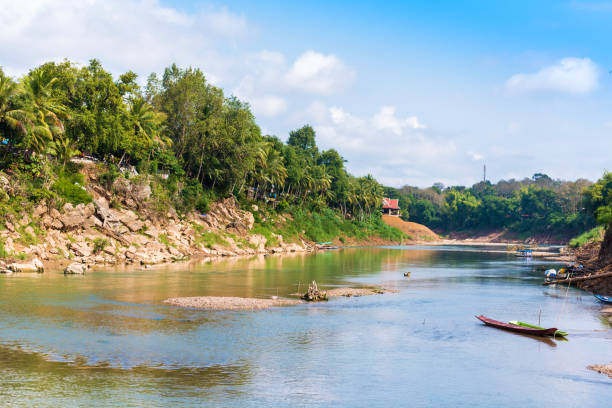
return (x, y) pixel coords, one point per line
(106, 338)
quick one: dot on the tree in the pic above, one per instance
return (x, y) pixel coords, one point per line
(11, 118)
(47, 109)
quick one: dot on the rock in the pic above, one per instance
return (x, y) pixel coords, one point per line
(9, 226)
(30, 230)
(71, 220)
(54, 213)
(255, 208)
(130, 220)
(25, 220)
(92, 221)
(81, 249)
(39, 211)
(75, 268)
(5, 184)
(259, 241)
(141, 192)
(33, 266)
(105, 214)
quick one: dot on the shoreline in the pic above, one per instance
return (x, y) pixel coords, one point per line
(60, 265)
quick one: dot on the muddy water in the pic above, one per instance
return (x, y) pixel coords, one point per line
(106, 338)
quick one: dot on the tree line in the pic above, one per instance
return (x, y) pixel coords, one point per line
(178, 125)
(538, 204)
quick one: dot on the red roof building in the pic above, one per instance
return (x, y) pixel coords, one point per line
(390, 206)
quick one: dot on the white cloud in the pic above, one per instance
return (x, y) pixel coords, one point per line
(397, 151)
(141, 35)
(475, 156)
(319, 74)
(268, 105)
(386, 119)
(569, 75)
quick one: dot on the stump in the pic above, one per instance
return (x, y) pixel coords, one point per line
(314, 294)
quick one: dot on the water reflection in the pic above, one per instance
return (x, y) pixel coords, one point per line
(109, 335)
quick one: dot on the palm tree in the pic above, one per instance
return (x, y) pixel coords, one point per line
(14, 119)
(143, 120)
(47, 110)
(63, 148)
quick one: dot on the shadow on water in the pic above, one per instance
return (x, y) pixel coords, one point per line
(27, 373)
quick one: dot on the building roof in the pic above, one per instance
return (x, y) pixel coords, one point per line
(390, 203)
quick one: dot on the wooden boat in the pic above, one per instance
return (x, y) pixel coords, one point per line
(533, 326)
(605, 299)
(515, 328)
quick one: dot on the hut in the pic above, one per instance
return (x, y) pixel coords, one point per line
(390, 207)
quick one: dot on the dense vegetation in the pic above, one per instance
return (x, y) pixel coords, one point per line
(196, 143)
(539, 205)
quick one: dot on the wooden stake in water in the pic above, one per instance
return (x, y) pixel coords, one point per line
(539, 317)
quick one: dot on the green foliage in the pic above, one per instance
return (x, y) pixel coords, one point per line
(3, 252)
(193, 196)
(529, 206)
(70, 188)
(109, 175)
(596, 234)
(208, 238)
(598, 199)
(163, 238)
(99, 245)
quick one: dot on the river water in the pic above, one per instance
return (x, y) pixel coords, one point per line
(106, 338)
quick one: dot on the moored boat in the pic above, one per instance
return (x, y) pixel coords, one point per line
(533, 326)
(516, 328)
(605, 299)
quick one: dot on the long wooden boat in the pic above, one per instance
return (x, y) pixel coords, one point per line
(533, 326)
(515, 328)
(605, 299)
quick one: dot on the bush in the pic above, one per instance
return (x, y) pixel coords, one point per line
(108, 177)
(193, 196)
(99, 245)
(596, 234)
(70, 188)
(3, 252)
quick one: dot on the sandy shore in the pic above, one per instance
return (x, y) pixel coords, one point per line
(603, 369)
(358, 291)
(229, 303)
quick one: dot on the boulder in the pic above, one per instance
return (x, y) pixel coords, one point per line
(39, 211)
(105, 214)
(81, 249)
(130, 220)
(54, 213)
(33, 266)
(141, 192)
(71, 220)
(75, 268)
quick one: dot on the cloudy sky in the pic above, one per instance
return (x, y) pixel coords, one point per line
(411, 92)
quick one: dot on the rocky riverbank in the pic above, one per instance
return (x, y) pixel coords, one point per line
(124, 225)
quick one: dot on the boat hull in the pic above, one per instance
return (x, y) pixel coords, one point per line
(533, 326)
(605, 299)
(516, 328)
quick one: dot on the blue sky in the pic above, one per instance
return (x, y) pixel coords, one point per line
(411, 92)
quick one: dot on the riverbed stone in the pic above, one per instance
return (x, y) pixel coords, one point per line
(35, 265)
(75, 268)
